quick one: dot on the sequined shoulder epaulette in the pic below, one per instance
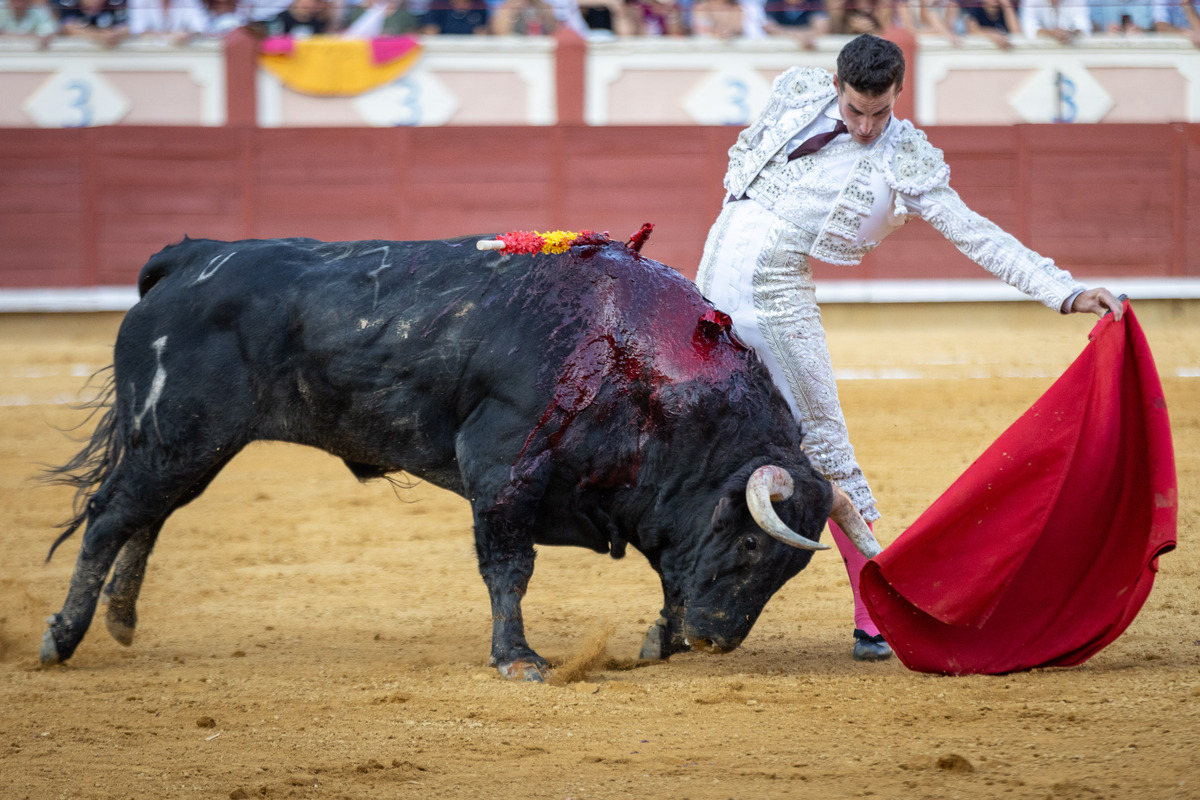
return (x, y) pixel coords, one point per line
(913, 166)
(800, 86)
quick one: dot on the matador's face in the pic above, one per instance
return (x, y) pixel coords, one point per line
(866, 115)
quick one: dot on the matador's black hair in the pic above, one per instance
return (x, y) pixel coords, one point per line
(871, 65)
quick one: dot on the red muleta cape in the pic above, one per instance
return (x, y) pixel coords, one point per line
(1044, 550)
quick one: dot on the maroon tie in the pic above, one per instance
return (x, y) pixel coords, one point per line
(815, 143)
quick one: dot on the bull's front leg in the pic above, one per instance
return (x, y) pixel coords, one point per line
(504, 544)
(507, 577)
(665, 637)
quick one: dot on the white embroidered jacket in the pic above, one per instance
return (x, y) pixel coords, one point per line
(899, 176)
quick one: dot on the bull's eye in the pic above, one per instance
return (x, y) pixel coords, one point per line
(749, 542)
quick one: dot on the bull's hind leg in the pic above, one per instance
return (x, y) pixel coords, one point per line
(113, 517)
(129, 508)
(121, 593)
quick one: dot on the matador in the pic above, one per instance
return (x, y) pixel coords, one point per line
(826, 171)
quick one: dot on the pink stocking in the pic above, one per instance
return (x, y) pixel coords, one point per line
(854, 562)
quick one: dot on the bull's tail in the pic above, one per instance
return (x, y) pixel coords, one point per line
(92, 465)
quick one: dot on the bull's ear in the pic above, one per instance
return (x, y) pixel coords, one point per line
(725, 514)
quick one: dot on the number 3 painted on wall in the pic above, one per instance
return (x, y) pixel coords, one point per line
(410, 104)
(739, 94)
(1066, 99)
(81, 101)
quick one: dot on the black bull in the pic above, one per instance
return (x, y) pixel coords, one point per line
(589, 398)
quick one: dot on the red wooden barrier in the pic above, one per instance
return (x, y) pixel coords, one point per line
(85, 207)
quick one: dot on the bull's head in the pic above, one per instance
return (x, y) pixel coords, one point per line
(758, 539)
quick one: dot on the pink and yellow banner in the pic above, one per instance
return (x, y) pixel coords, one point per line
(327, 66)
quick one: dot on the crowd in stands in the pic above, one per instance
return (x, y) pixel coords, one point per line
(999, 21)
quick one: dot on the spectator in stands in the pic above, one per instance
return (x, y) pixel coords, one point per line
(926, 17)
(260, 11)
(803, 20)
(301, 19)
(858, 16)
(1178, 16)
(175, 20)
(524, 18)
(223, 17)
(100, 21)
(600, 15)
(605, 16)
(717, 19)
(380, 18)
(754, 18)
(1122, 16)
(567, 15)
(656, 18)
(620, 17)
(994, 20)
(28, 18)
(61, 9)
(1061, 20)
(457, 17)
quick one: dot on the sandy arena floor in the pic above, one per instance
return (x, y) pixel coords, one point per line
(303, 635)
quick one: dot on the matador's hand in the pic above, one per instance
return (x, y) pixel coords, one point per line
(1098, 301)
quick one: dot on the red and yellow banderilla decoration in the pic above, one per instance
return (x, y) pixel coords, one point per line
(533, 243)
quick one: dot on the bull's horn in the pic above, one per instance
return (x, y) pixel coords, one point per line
(774, 483)
(852, 524)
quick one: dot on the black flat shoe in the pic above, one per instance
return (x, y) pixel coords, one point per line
(870, 648)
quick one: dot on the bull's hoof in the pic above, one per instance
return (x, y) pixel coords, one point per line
(119, 630)
(659, 645)
(120, 618)
(654, 645)
(524, 670)
(48, 654)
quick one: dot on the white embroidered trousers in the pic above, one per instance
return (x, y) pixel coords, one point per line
(755, 268)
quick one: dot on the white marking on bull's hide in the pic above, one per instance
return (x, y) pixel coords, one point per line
(157, 384)
(213, 266)
(403, 328)
(384, 263)
(303, 388)
(466, 309)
